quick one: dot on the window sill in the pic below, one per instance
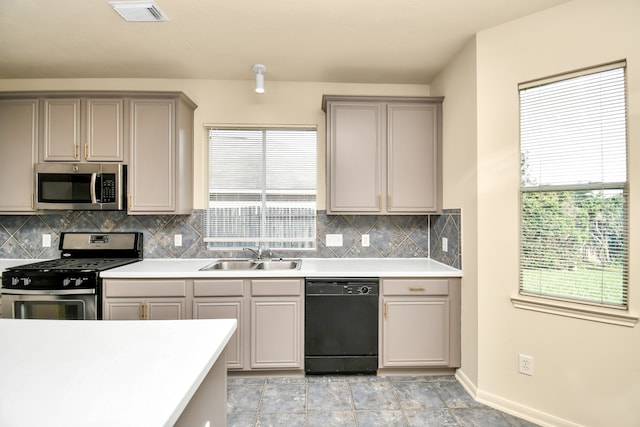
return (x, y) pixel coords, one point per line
(577, 311)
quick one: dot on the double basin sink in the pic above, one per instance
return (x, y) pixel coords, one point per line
(254, 264)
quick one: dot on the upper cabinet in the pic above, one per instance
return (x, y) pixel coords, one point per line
(161, 155)
(83, 129)
(383, 154)
(18, 144)
(150, 132)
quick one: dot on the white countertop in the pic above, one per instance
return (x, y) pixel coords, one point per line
(311, 267)
(104, 373)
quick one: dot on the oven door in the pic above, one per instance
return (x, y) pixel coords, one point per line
(76, 304)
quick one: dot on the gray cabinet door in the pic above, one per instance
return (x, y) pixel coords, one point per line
(79, 129)
(415, 332)
(354, 154)
(152, 170)
(18, 144)
(104, 140)
(61, 137)
(412, 158)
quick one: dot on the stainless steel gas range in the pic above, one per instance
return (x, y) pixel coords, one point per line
(69, 287)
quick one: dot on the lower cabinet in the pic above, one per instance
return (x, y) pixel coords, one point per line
(223, 299)
(420, 323)
(276, 324)
(269, 313)
(144, 299)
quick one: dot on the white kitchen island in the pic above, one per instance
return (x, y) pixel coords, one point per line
(59, 373)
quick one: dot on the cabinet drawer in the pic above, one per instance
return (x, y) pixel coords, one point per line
(145, 288)
(218, 288)
(415, 287)
(276, 287)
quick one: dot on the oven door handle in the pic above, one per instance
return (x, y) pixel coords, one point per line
(48, 292)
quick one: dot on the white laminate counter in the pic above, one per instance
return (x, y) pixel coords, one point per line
(311, 267)
(61, 373)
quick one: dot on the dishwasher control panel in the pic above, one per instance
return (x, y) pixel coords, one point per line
(360, 287)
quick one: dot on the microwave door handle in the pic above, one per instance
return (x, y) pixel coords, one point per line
(94, 179)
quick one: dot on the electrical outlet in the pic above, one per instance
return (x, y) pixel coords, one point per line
(525, 364)
(365, 240)
(445, 244)
(46, 240)
(334, 239)
(177, 240)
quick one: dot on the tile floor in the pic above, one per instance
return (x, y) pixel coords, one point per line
(358, 400)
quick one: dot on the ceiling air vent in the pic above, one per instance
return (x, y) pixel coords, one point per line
(139, 11)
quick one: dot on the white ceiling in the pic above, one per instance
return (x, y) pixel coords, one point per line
(350, 41)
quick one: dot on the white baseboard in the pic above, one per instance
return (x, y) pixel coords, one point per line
(510, 407)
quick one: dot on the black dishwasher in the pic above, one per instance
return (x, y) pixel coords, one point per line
(341, 325)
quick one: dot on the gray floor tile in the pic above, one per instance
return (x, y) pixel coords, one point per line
(283, 398)
(381, 418)
(243, 398)
(414, 395)
(431, 418)
(480, 418)
(518, 422)
(331, 418)
(455, 396)
(281, 420)
(246, 381)
(329, 397)
(241, 419)
(328, 378)
(358, 400)
(374, 396)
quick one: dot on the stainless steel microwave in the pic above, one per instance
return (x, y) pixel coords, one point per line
(80, 186)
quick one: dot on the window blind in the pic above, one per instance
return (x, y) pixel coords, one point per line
(573, 147)
(262, 188)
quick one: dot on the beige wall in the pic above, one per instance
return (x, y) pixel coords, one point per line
(586, 373)
(458, 85)
(235, 102)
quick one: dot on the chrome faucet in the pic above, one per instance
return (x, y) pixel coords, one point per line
(259, 253)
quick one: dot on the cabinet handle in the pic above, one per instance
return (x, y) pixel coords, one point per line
(129, 201)
(416, 288)
(385, 311)
(86, 151)
(143, 311)
(75, 151)
(389, 201)
(379, 201)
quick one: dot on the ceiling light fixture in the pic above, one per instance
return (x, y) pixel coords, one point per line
(259, 69)
(139, 11)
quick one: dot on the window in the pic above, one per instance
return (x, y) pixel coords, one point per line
(262, 189)
(573, 148)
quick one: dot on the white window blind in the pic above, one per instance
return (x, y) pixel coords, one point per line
(573, 147)
(262, 189)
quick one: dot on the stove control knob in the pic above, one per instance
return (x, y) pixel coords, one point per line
(65, 282)
(26, 281)
(15, 281)
(364, 290)
(77, 281)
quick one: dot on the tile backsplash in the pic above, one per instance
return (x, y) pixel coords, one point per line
(402, 236)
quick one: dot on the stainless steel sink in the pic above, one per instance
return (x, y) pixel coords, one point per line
(230, 264)
(253, 264)
(280, 264)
